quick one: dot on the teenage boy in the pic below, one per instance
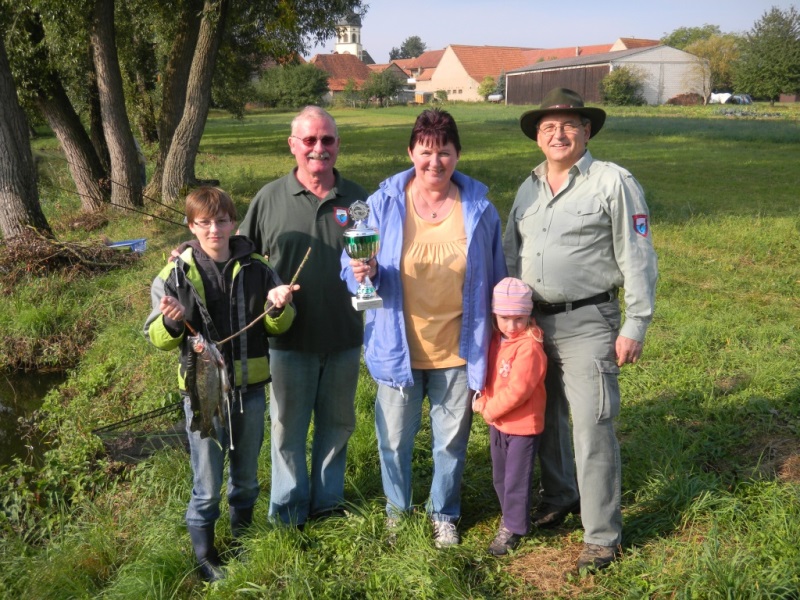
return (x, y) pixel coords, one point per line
(217, 286)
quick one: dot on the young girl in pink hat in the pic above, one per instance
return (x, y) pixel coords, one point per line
(513, 406)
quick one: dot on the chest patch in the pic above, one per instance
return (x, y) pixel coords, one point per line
(640, 225)
(340, 215)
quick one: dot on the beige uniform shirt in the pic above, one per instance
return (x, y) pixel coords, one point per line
(592, 236)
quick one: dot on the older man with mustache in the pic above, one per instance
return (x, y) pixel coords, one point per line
(315, 366)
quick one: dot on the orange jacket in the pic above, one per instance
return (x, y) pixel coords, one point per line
(514, 397)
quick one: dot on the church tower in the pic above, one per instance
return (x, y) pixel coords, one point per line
(348, 39)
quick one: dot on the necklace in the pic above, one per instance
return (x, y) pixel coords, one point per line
(433, 210)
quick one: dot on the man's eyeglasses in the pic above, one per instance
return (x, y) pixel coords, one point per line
(568, 128)
(311, 141)
(206, 223)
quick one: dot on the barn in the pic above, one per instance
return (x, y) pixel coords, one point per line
(667, 73)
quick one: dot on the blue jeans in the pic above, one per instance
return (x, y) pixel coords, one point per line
(398, 415)
(325, 385)
(207, 457)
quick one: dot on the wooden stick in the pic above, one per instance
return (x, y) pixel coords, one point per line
(270, 307)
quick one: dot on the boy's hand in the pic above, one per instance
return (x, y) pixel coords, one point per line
(172, 309)
(281, 296)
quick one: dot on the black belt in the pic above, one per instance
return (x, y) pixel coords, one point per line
(552, 309)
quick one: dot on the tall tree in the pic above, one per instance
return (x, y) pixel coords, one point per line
(19, 197)
(126, 186)
(769, 64)
(179, 165)
(716, 60)
(381, 87)
(683, 36)
(412, 47)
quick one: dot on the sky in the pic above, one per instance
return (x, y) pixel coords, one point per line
(537, 24)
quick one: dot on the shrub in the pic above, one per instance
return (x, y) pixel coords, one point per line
(291, 86)
(623, 87)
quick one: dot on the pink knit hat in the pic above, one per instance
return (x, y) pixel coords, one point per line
(512, 297)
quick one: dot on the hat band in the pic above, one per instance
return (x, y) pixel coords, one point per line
(564, 106)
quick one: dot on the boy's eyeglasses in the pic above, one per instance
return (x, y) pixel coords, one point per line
(311, 141)
(206, 223)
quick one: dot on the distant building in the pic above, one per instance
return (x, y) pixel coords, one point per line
(668, 72)
(341, 68)
(348, 38)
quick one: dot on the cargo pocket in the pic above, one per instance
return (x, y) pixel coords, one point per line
(607, 389)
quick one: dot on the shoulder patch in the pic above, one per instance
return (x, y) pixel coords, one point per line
(340, 215)
(640, 224)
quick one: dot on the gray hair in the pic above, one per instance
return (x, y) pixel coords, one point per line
(314, 112)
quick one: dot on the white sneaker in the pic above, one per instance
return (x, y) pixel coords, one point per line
(445, 534)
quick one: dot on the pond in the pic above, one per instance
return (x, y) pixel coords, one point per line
(20, 395)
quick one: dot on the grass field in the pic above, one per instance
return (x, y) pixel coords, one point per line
(710, 423)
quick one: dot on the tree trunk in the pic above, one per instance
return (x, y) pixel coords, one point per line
(179, 164)
(96, 119)
(91, 180)
(126, 186)
(175, 79)
(84, 165)
(19, 198)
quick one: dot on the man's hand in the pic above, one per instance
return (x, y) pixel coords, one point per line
(281, 295)
(628, 350)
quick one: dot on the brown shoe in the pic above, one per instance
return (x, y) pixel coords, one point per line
(551, 515)
(595, 557)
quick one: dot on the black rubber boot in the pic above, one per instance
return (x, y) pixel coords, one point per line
(241, 519)
(207, 557)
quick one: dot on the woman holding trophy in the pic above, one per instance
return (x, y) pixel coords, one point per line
(440, 255)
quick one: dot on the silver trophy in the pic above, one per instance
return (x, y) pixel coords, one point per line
(362, 243)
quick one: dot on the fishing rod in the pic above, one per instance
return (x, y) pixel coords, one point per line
(141, 212)
(144, 196)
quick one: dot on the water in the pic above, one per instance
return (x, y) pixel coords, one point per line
(20, 395)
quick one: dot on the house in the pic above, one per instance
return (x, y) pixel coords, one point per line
(460, 69)
(341, 68)
(667, 72)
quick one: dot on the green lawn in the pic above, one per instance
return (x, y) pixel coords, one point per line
(710, 424)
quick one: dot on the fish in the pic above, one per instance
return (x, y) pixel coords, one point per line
(208, 386)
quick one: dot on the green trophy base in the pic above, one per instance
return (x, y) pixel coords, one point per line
(367, 303)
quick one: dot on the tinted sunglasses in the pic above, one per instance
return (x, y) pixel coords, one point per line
(311, 141)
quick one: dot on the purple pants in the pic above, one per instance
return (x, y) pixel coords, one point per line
(512, 470)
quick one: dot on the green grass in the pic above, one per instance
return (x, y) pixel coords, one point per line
(710, 424)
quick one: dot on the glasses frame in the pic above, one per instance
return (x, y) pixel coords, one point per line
(311, 140)
(207, 223)
(567, 128)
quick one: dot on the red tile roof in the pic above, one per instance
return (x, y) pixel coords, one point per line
(340, 69)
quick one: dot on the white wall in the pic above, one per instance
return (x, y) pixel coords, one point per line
(668, 72)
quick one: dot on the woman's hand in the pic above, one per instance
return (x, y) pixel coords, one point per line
(172, 309)
(281, 295)
(362, 270)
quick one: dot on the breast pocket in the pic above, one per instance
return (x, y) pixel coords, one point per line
(580, 222)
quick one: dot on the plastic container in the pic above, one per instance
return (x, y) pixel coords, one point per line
(138, 245)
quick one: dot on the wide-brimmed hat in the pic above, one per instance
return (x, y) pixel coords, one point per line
(564, 101)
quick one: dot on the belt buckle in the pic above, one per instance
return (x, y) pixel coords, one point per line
(567, 306)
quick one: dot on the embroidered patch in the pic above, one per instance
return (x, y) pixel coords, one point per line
(640, 225)
(341, 215)
(505, 368)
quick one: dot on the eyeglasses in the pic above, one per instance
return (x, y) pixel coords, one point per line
(568, 128)
(206, 223)
(311, 141)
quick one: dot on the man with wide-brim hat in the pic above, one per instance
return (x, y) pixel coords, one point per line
(579, 230)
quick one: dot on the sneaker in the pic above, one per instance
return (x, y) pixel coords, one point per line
(504, 541)
(552, 515)
(595, 557)
(445, 534)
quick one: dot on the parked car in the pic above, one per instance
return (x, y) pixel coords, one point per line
(741, 99)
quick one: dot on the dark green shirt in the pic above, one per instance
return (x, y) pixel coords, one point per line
(284, 219)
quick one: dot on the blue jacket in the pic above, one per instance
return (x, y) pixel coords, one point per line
(385, 344)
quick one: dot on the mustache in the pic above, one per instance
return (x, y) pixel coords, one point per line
(318, 155)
